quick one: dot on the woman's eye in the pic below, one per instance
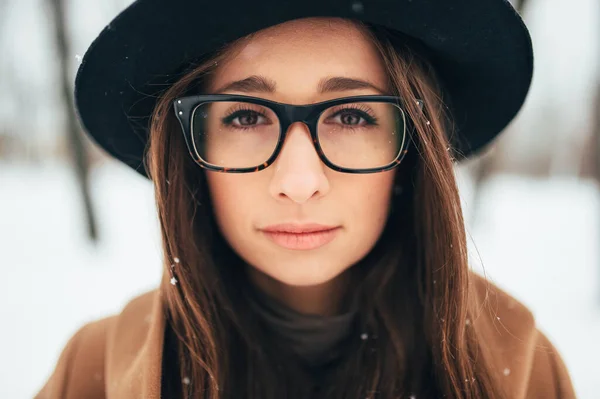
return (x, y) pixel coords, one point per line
(348, 118)
(351, 118)
(249, 118)
(246, 119)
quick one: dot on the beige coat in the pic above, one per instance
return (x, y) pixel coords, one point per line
(120, 357)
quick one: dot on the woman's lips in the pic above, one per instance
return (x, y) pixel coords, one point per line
(301, 237)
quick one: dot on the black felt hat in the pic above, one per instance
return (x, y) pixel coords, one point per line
(481, 51)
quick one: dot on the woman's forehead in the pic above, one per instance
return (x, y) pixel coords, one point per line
(298, 55)
(316, 27)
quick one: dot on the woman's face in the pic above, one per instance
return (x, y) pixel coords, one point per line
(298, 192)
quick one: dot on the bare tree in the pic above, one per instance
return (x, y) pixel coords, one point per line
(596, 132)
(75, 137)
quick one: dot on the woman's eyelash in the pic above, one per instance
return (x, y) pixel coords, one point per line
(363, 111)
(234, 113)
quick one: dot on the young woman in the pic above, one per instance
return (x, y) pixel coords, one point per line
(314, 244)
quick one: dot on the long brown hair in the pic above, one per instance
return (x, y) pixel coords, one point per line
(413, 290)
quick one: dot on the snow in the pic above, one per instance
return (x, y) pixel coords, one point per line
(537, 239)
(53, 279)
(557, 113)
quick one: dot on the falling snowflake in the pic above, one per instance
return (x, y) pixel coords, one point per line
(186, 380)
(468, 322)
(506, 371)
(78, 57)
(358, 7)
(364, 336)
(176, 260)
(173, 280)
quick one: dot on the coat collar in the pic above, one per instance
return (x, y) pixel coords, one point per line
(135, 349)
(135, 340)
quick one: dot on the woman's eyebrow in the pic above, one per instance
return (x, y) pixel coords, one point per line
(262, 84)
(254, 83)
(343, 84)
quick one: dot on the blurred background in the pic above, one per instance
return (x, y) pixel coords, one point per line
(79, 234)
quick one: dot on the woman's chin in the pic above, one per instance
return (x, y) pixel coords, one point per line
(302, 275)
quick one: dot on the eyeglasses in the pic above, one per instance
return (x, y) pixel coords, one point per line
(241, 134)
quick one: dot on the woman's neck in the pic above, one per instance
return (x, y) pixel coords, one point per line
(325, 299)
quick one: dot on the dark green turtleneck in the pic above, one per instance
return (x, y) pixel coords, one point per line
(315, 339)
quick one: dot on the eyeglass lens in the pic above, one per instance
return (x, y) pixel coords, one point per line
(359, 135)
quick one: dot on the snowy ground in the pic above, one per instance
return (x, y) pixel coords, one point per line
(537, 239)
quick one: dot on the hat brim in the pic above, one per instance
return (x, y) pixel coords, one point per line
(480, 49)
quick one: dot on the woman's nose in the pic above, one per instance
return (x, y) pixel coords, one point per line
(299, 173)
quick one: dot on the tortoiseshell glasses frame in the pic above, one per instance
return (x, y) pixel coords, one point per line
(288, 114)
